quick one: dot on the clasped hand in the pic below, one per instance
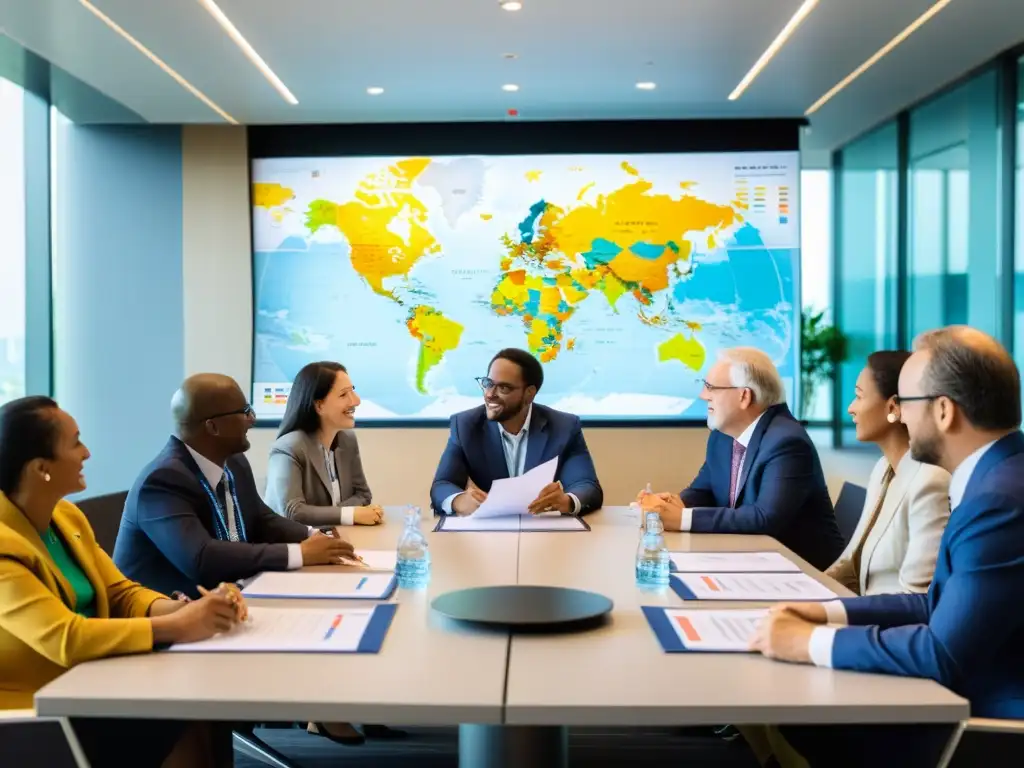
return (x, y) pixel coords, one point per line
(785, 633)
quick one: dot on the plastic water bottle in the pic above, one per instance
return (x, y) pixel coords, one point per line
(652, 560)
(413, 567)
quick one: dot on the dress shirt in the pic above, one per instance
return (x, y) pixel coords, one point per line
(822, 638)
(214, 474)
(744, 440)
(514, 448)
(348, 514)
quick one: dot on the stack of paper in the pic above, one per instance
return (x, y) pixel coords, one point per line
(749, 586)
(695, 630)
(547, 522)
(321, 585)
(302, 630)
(732, 562)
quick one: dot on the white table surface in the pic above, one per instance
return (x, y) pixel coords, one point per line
(432, 672)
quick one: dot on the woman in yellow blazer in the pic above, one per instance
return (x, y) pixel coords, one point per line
(64, 602)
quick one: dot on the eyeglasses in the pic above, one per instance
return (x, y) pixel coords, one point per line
(900, 399)
(487, 383)
(715, 387)
(247, 411)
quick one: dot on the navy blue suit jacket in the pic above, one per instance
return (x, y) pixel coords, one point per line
(782, 491)
(166, 540)
(967, 633)
(474, 453)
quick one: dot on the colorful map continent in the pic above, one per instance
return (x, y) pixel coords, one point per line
(687, 350)
(385, 224)
(270, 195)
(436, 334)
(628, 241)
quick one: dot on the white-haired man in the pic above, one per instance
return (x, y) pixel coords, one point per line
(761, 472)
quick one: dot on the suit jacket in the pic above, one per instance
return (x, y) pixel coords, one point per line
(781, 491)
(967, 633)
(41, 636)
(298, 485)
(474, 453)
(901, 547)
(166, 539)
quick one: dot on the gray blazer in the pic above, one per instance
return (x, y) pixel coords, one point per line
(298, 485)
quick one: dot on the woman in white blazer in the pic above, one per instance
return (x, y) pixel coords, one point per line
(906, 508)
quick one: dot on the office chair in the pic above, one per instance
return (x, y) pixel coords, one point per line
(28, 741)
(848, 508)
(104, 515)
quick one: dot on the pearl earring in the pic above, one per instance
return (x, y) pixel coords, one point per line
(891, 418)
(46, 476)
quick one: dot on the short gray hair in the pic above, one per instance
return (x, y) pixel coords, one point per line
(753, 369)
(974, 371)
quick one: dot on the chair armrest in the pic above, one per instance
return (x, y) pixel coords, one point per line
(992, 725)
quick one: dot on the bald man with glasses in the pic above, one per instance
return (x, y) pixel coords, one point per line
(194, 517)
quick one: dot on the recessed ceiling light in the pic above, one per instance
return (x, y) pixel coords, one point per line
(646, 85)
(375, 90)
(214, 10)
(510, 87)
(511, 5)
(510, 56)
(911, 29)
(157, 60)
(780, 40)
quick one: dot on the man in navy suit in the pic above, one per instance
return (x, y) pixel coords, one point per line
(194, 516)
(509, 435)
(960, 399)
(761, 472)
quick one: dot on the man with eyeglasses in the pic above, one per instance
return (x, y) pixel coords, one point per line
(194, 517)
(511, 434)
(960, 398)
(761, 472)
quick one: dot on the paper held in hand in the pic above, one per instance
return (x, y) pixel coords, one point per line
(302, 630)
(512, 495)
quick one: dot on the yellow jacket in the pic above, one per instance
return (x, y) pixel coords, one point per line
(40, 633)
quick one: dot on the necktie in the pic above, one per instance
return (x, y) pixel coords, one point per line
(734, 473)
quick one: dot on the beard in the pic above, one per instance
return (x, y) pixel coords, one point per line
(504, 413)
(713, 421)
(926, 449)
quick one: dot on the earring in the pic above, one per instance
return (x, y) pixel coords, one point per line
(891, 418)
(46, 476)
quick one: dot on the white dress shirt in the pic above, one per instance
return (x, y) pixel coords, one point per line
(744, 439)
(214, 474)
(514, 447)
(348, 514)
(823, 638)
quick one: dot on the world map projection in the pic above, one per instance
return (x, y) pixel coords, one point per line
(625, 275)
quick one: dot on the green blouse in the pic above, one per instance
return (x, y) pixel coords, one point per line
(85, 593)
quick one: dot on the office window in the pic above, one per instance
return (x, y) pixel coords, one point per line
(953, 209)
(866, 244)
(816, 269)
(1018, 281)
(12, 241)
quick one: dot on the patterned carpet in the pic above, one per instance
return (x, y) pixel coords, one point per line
(438, 748)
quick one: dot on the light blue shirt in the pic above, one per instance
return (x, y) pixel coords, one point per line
(514, 447)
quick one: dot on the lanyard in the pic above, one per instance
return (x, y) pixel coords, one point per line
(220, 514)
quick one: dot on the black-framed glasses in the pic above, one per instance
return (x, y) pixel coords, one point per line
(247, 411)
(486, 383)
(900, 399)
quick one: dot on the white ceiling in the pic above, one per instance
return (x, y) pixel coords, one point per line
(577, 59)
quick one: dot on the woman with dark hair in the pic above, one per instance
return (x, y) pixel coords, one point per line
(64, 602)
(896, 542)
(314, 474)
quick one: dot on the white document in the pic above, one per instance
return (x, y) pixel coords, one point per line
(376, 559)
(512, 495)
(273, 630)
(733, 562)
(754, 586)
(474, 523)
(551, 522)
(715, 630)
(310, 584)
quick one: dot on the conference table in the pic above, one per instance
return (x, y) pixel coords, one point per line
(513, 695)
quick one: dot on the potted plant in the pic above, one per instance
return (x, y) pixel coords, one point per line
(822, 348)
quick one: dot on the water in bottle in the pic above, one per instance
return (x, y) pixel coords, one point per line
(413, 567)
(652, 560)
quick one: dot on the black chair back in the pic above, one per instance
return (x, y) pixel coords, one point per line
(104, 514)
(849, 506)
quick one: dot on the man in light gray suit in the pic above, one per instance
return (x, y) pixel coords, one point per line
(315, 475)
